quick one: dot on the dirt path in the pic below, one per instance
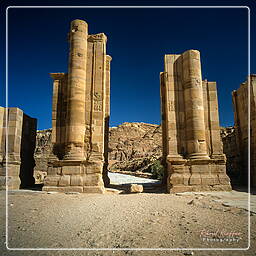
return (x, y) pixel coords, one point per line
(148, 220)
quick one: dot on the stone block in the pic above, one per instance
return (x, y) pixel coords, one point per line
(64, 180)
(221, 188)
(94, 167)
(13, 169)
(208, 179)
(176, 178)
(63, 189)
(197, 168)
(135, 188)
(51, 180)
(195, 179)
(76, 180)
(224, 179)
(94, 189)
(93, 180)
(13, 182)
(179, 189)
(186, 177)
(52, 170)
(72, 169)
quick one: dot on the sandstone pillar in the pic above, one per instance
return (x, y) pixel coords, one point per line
(214, 126)
(80, 114)
(59, 112)
(170, 106)
(193, 97)
(192, 149)
(75, 128)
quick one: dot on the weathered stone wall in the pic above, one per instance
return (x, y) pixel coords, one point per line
(240, 103)
(16, 165)
(80, 114)
(192, 147)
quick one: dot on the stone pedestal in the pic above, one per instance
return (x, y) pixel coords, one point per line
(80, 116)
(74, 176)
(192, 148)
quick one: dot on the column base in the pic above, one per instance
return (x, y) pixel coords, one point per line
(198, 156)
(74, 176)
(74, 153)
(12, 180)
(197, 175)
(79, 189)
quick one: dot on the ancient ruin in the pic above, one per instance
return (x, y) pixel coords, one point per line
(240, 103)
(80, 116)
(192, 148)
(17, 160)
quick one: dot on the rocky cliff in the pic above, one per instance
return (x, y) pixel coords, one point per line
(132, 147)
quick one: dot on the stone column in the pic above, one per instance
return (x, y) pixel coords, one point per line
(75, 128)
(81, 104)
(98, 96)
(56, 106)
(163, 115)
(107, 116)
(193, 97)
(169, 93)
(214, 126)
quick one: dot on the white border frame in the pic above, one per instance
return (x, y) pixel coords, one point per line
(132, 249)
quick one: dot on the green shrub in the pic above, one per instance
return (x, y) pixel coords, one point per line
(157, 170)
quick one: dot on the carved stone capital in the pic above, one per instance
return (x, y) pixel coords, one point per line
(57, 76)
(97, 37)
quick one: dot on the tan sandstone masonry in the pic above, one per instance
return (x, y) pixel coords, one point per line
(192, 147)
(80, 116)
(240, 103)
(16, 157)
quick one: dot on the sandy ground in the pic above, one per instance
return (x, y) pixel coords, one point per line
(148, 220)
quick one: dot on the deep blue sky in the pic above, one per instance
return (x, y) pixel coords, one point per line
(137, 42)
